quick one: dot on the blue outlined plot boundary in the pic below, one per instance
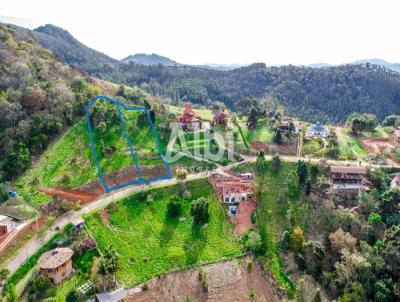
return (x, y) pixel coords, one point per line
(136, 167)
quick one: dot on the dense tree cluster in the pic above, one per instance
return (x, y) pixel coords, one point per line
(39, 98)
(362, 122)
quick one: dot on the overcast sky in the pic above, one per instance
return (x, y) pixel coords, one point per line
(224, 31)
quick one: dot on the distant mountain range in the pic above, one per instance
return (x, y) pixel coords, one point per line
(322, 93)
(146, 59)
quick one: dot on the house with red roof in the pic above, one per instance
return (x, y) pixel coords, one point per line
(189, 120)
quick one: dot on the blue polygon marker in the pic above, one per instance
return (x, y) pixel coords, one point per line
(136, 167)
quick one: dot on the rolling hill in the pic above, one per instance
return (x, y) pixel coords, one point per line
(39, 98)
(327, 94)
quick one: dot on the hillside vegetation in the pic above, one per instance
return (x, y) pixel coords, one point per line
(39, 98)
(151, 243)
(315, 94)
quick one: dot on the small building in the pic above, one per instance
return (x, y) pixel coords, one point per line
(189, 120)
(114, 296)
(317, 130)
(221, 119)
(57, 264)
(395, 183)
(396, 135)
(78, 224)
(232, 187)
(347, 179)
(288, 124)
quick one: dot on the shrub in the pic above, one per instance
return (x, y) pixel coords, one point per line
(342, 240)
(252, 293)
(285, 241)
(199, 211)
(174, 207)
(302, 171)
(249, 265)
(253, 242)
(3, 193)
(374, 218)
(40, 284)
(296, 239)
(275, 164)
(72, 296)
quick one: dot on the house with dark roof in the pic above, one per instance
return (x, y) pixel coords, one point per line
(317, 130)
(347, 179)
(221, 119)
(189, 120)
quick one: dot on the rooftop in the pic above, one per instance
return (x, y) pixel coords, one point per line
(318, 127)
(397, 133)
(55, 258)
(348, 169)
(77, 221)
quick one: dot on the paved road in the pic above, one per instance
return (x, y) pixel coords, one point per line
(33, 245)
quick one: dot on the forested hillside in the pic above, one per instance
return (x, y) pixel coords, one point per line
(39, 98)
(315, 94)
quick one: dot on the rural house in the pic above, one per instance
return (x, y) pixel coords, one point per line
(189, 120)
(78, 224)
(317, 130)
(347, 179)
(57, 264)
(232, 187)
(221, 119)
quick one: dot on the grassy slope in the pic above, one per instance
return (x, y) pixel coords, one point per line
(142, 230)
(68, 162)
(272, 218)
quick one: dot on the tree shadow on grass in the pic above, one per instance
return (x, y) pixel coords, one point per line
(168, 230)
(195, 244)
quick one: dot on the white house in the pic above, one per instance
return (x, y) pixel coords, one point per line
(317, 130)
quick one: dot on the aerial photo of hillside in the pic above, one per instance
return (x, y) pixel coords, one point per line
(186, 151)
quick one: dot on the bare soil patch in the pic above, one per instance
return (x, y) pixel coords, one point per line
(92, 190)
(242, 220)
(71, 195)
(227, 281)
(270, 148)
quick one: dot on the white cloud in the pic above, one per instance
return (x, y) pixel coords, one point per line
(225, 31)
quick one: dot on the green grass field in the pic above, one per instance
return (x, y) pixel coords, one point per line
(151, 244)
(68, 161)
(350, 147)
